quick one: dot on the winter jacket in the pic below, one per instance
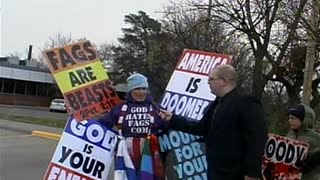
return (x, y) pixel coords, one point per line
(134, 119)
(234, 132)
(311, 166)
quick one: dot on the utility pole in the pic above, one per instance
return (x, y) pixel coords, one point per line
(207, 32)
(209, 9)
(311, 53)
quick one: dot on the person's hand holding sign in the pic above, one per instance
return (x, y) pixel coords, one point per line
(166, 115)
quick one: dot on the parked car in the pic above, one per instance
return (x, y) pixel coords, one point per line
(58, 105)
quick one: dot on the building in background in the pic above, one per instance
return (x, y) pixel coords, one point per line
(30, 83)
(24, 82)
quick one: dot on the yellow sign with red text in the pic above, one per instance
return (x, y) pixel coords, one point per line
(82, 79)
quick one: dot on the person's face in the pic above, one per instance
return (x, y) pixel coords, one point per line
(139, 94)
(215, 83)
(294, 122)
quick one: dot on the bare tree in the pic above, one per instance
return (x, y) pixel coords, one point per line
(191, 26)
(57, 40)
(262, 23)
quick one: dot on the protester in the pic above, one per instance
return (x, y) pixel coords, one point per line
(232, 127)
(301, 118)
(137, 120)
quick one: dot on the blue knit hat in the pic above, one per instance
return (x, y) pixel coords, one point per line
(136, 80)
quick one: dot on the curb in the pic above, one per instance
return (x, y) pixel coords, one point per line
(46, 135)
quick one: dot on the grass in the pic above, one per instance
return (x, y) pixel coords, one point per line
(39, 121)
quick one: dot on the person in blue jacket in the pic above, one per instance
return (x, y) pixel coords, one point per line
(136, 118)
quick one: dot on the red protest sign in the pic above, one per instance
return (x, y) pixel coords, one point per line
(282, 158)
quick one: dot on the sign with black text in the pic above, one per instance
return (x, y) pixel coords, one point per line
(82, 79)
(85, 152)
(188, 94)
(283, 157)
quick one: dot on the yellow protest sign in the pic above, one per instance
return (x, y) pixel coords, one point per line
(82, 79)
(80, 76)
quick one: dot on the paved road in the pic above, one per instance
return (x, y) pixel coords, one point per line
(23, 156)
(36, 112)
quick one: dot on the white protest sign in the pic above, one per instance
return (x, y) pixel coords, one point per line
(84, 152)
(188, 94)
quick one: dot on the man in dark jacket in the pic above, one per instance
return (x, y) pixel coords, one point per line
(233, 129)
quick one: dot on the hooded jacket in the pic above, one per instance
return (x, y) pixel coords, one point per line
(306, 134)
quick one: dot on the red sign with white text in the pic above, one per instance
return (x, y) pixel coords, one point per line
(282, 158)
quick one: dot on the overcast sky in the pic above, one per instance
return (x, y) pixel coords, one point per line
(25, 22)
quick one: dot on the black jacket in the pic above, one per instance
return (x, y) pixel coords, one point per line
(234, 131)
